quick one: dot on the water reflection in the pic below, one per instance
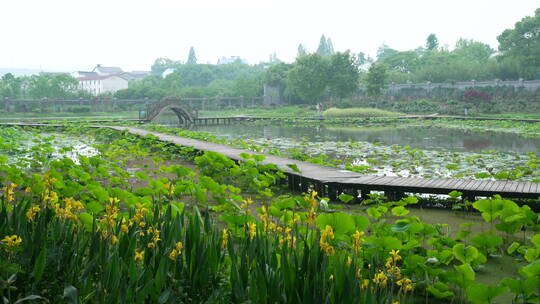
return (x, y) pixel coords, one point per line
(429, 138)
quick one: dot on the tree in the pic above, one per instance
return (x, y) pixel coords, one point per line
(375, 79)
(325, 47)
(522, 44)
(432, 43)
(302, 51)
(162, 64)
(10, 86)
(276, 75)
(192, 59)
(308, 77)
(330, 46)
(473, 50)
(343, 74)
(402, 62)
(273, 59)
(384, 51)
(172, 84)
(363, 61)
(247, 87)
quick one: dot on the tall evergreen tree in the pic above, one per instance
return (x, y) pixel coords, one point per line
(330, 46)
(302, 51)
(323, 47)
(432, 43)
(192, 59)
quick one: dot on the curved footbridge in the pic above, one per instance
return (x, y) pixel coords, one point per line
(333, 181)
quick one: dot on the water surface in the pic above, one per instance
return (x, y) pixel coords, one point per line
(425, 138)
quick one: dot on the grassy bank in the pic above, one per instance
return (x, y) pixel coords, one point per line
(358, 112)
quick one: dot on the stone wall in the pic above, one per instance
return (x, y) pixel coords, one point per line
(396, 88)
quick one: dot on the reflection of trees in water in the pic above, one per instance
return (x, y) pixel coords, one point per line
(475, 143)
(416, 137)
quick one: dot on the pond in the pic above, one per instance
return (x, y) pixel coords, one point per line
(26, 148)
(425, 138)
(398, 151)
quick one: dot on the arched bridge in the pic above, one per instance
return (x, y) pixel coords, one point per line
(186, 115)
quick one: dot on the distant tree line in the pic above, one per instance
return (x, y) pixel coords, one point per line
(61, 86)
(192, 80)
(324, 74)
(518, 57)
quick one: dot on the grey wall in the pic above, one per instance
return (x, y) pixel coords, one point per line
(394, 88)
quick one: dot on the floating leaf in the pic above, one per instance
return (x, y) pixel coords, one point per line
(513, 247)
(481, 293)
(400, 211)
(341, 222)
(440, 290)
(465, 254)
(345, 197)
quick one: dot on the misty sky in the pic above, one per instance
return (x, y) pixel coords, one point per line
(72, 35)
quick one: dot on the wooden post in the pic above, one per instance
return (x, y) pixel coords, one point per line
(241, 102)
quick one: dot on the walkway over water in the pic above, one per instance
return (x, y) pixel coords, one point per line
(332, 181)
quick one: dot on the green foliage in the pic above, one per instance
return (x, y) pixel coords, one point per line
(481, 293)
(61, 86)
(375, 79)
(358, 112)
(192, 59)
(522, 45)
(465, 255)
(325, 47)
(308, 77)
(432, 43)
(343, 74)
(277, 255)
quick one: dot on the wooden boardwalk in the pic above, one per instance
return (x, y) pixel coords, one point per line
(332, 181)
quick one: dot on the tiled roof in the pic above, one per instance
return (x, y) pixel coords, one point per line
(108, 70)
(98, 77)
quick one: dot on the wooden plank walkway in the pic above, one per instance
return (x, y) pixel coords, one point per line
(333, 181)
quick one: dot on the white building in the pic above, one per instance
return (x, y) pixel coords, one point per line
(82, 74)
(102, 84)
(232, 59)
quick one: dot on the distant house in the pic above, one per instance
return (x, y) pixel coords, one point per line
(106, 79)
(232, 59)
(101, 84)
(135, 75)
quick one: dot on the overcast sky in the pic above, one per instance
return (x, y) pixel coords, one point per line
(75, 35)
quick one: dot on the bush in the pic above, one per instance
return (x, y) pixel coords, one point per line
(79, 109)
(475, 96)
